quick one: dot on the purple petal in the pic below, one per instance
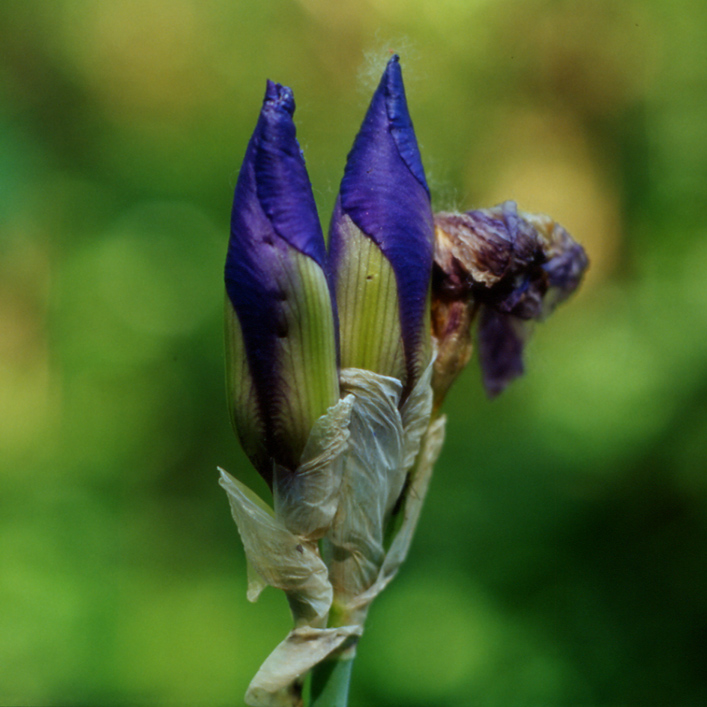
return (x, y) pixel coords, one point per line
(283, 187)
(501, 341)
(503, 224)
(385, 194)
(566, 269)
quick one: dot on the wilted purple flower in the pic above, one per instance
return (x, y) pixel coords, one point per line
(381, 242)
(514, 267)
(280, 317)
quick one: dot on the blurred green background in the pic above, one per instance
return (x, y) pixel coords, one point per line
(562, 555)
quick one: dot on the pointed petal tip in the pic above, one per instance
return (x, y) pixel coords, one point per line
(400, 122)
(279, 96)
(394, 88)
(393, 74)
(280, 185)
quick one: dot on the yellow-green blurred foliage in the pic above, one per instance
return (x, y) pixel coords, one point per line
(561, 559)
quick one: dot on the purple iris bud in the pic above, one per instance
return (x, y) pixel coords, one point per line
(382, 241)
(280, 316)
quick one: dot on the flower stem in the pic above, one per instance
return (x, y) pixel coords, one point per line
(330, 681)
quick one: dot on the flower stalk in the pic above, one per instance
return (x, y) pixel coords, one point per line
(331, 680)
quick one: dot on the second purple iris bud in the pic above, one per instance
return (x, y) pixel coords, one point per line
(382, 243)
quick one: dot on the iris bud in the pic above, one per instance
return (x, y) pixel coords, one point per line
(281, 330)
(381, 243)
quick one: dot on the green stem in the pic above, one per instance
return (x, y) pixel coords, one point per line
(330, 681)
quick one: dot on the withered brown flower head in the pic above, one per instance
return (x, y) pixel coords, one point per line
(510, 268)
